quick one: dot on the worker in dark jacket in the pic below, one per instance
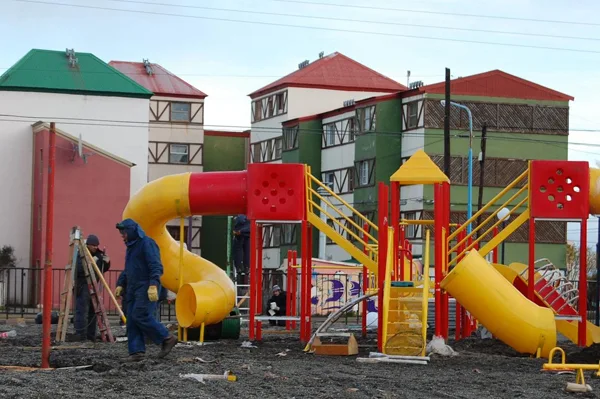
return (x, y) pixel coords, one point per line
(143, 270)
(85, 316)
(276, 305)
(241, 247)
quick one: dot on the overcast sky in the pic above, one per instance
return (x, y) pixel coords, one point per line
(227, 58)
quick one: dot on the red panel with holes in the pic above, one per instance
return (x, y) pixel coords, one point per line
(276, 191)
(559, 189)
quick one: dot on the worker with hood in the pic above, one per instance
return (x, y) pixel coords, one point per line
(143, 270)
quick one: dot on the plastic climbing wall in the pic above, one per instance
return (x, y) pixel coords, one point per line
(276, 191)
(559, 189)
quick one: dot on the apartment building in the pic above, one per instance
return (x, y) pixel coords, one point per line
(316, 87)
(366, 140)
(176, 129)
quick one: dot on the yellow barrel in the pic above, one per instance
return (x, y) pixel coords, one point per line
(500, 307)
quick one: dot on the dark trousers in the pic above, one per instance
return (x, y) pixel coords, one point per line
(141, 322)
(241, 255)
(85, 316)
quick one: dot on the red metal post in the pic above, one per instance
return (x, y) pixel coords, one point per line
(47, 310)
(365, 282)
(305, 285)
(259, 277)
(495, 256)
(438, 246)
(581, 330)
(253, 277)
(288, 290)
(531, 271)
(395, 222)
(382, 238)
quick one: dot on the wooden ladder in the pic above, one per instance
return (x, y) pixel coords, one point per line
(78, 247)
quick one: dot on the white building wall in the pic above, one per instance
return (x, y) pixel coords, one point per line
(306, 101)
(126, 140)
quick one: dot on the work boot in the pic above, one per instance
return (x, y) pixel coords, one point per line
(136, 357)
(167, 345)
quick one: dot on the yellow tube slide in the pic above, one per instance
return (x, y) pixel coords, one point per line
(500, 307)
(208, 294)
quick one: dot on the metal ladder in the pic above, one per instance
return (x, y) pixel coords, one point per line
(565, 289)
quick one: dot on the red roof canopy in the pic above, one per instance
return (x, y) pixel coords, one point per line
(497, 83)
(161, 82)
(334, 72)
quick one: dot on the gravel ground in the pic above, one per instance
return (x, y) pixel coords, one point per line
(482, 369)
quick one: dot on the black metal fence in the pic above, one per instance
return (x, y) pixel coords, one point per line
(21, 292)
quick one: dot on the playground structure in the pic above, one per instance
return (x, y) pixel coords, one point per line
(517, 304)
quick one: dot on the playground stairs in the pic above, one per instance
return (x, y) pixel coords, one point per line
(342, 223)
(552, 289)
(461, 241)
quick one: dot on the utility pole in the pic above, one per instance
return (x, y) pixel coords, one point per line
(447, 127)
(481, 173)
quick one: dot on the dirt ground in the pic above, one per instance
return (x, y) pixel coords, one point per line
(278, 368)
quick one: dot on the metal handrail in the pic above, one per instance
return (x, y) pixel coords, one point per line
(489, 204)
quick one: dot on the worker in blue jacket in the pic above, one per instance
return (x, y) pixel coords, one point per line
(241, 247)
(143, 270)
(120, 292)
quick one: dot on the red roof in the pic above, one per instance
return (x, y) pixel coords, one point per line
(161, 82)
(334, 72)
(497, 83)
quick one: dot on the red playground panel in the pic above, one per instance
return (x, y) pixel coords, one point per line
(276, 191)
(559, 189)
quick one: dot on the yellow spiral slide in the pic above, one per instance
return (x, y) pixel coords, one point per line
(207, 294)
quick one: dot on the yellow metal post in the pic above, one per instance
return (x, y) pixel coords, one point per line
(202, 333)
(425, 291)
(181, 235)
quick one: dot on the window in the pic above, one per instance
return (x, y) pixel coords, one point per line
(329, 180)
(277, 144)
(351, 129)
(289, 234)
(290, 138)
(330, 134)
(280, 100)
(269, 106)
(363, 173)
(180, 112)
(257, 110)
(366, 118)
(256, 152)
(179, 153)
(174, 232)
(413, 115)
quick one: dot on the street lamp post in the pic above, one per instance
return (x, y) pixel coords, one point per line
(503, 215)
(470, 181)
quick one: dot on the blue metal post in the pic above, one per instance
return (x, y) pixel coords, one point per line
(470, 182)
